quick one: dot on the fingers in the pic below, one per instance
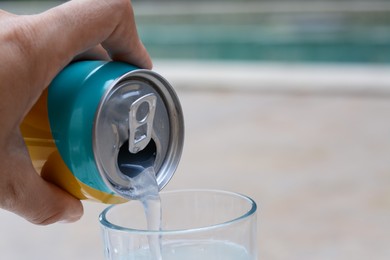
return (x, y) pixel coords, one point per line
(95, 53)
(25, 193)
(77, 26)
(41, 45)
(124, 43)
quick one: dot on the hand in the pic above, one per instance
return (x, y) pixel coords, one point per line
(33, 49)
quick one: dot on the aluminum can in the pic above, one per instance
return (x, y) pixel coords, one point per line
(97, 116)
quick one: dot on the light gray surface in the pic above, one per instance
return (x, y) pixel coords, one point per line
(317, 164)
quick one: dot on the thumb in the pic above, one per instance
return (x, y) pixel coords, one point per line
(50, 204)
(24, 192)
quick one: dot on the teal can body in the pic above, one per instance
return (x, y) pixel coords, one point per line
(100, 115)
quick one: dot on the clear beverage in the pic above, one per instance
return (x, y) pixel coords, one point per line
(195, 224)
(195, 250)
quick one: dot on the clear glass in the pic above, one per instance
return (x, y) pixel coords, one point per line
(196, 224)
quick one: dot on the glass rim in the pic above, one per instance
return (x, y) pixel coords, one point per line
(107, 224)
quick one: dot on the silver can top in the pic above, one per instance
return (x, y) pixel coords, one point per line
(139, 124)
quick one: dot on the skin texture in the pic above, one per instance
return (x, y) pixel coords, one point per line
(33, 50)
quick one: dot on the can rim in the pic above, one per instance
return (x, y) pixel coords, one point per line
(176, 121)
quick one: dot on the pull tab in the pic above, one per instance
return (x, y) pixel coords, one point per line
(141, 116)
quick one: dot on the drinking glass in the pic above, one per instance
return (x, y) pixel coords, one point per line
(195, 225)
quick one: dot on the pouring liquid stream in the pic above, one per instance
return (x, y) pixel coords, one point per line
(144, 188)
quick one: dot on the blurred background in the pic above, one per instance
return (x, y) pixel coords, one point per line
(285, 101)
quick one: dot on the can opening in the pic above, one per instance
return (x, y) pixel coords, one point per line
(132, 164)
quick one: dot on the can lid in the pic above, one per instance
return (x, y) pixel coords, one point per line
(139, 124)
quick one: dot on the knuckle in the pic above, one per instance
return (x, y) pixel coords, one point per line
(19, 35)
